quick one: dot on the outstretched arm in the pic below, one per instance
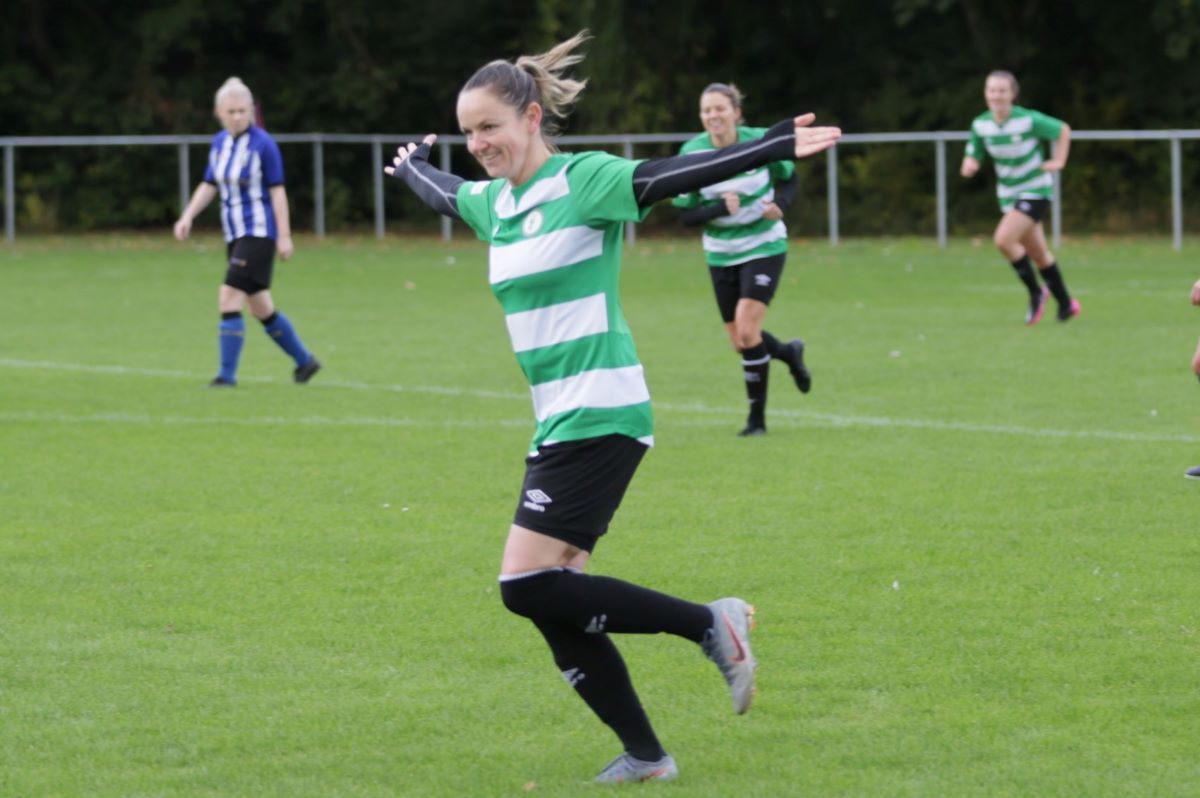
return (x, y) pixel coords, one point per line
(660, 178)
(437, 189)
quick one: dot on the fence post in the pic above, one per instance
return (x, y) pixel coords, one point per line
(1176, 194)
(10, 197)
(319, 187)
(377, 181)
(184, 177)
(630, 227)
(831, 179)
(444, 158)
(941, 192)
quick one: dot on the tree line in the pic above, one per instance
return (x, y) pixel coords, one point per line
(357, 66)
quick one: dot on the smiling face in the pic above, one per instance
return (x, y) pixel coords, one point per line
(506, 143)
(999, 94)
(235, 112)
(719, 117)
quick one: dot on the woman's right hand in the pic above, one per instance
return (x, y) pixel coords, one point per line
(733, 202)
(183, 228)
(402, 154)
(969, 167)
(1196, 293)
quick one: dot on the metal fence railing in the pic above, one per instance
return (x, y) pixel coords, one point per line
(626, 142)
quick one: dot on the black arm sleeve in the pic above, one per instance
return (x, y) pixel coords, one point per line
(694, 217)
(437, 189)
(785, 192)
(660, 178)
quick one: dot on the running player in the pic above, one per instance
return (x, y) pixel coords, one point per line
(745, 243)
(245, 167)
(1013, 137)
(554, 224)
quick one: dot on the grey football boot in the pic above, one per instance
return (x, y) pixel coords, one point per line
(627, 769)
(728, 645)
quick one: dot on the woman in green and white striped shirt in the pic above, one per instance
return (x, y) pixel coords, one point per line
(554, 224)
(1013, 137)
(745, 244)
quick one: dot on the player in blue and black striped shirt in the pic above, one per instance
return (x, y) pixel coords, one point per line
(245, 167)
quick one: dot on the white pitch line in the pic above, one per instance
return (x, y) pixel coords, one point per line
(255, 421)
(815, 418)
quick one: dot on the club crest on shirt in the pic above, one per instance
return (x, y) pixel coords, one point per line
(532, 223)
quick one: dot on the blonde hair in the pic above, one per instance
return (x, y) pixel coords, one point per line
(536, 78)
(233, 85)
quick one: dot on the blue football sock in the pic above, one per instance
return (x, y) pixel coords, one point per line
(283, 333)
(232, 334)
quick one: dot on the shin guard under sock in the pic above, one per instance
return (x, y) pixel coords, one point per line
(597, 604)
(592, 665)
(756, 370)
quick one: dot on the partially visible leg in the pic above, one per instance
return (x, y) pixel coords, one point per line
(756, 362)
(1034, 242)
(231, 334)
(281, 331)
(1013, 227)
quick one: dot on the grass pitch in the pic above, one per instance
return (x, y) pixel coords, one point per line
(971, 546)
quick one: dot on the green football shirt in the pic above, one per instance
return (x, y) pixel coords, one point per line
(1016, 149)
(554, 264)
(746, 235)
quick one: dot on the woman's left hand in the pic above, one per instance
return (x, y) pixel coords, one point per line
(285, 247)
(1196, 293)
(772, 211)
(811, 140)
(1054, 165)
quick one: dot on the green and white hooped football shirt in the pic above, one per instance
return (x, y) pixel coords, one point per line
(1017, 150)
(554, 264)
(746, 235)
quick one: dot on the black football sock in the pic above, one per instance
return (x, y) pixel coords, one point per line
(756, 370)
(1054, 281)
(592, 665)
(596, 604)
(775, 349)
(1024, 270)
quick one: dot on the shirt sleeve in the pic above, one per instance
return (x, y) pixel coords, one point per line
(602, 188)
(475, 207)
(975, 148)
(209, 177)
(1046, 127)
(272, 163)
(782, 171)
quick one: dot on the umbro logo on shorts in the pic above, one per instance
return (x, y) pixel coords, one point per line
(537, 500)
(538, 496)
(1023, 206)
(239, 262)
(762, 279)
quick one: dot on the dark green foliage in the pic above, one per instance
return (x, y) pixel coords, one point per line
(355, 66)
